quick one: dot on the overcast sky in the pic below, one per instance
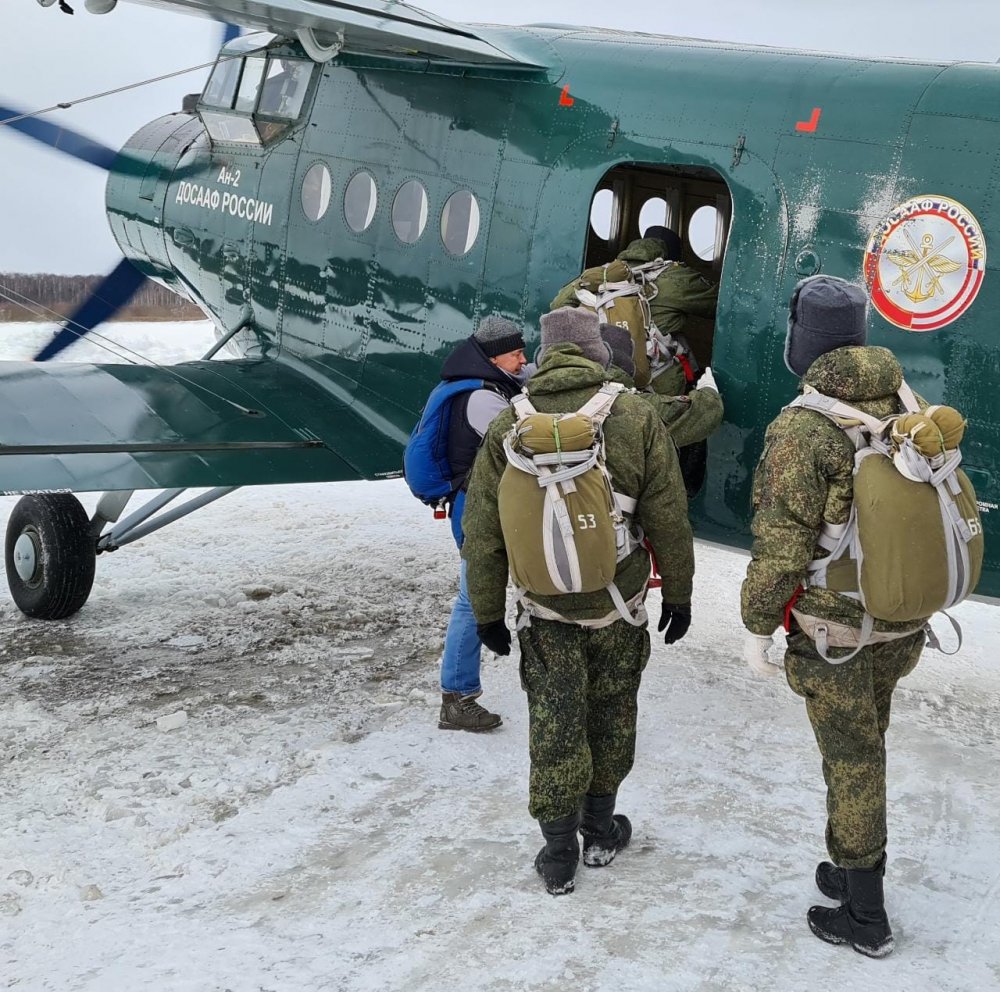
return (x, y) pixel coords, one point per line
(52, 211)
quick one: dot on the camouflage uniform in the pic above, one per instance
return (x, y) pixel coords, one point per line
(582, 682)
(681, 292)
(688, 419)
(805, 478)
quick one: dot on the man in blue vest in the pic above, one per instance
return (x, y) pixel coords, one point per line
(495, 354)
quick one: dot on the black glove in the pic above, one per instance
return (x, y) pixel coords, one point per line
(495, 636)
(679, 619)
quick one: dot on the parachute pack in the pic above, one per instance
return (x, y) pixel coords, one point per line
(564, 526)
(913, 544)
(620, 294)
(425, 458)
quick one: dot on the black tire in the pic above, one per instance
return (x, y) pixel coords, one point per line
(64, 555)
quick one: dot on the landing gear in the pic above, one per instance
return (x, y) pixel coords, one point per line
(50, 555)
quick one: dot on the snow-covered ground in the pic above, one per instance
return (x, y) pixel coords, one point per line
(308, 828)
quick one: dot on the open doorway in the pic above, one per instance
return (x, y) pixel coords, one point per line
(694, 201)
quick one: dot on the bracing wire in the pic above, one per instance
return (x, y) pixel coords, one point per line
(109, 345)
(121, 89)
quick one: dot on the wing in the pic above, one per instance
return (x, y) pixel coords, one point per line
(87, 428)
(942, 266)
(904, 259)
(363, 25)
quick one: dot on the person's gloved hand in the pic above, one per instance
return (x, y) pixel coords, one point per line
(678, 617)
(707, 380)
(495, 636)
(755, 654)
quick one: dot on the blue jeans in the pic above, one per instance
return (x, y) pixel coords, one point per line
(460, 661)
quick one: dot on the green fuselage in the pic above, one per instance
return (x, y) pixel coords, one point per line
(373, 317)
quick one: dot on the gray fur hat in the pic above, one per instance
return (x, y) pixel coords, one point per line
(575, 325)
(824, 313)
(497, 335)
(622, 349)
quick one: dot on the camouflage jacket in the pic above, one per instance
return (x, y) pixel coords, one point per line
(643, 465)
(680, 290)
(805, 478)
(688, 418)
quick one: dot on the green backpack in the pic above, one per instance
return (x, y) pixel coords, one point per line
(913, 544)
(564, 526)
(620, 293)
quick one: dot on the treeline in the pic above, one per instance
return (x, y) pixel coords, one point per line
(36, 296)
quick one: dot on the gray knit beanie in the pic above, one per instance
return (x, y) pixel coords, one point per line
(497, 335)
(824, 313)
(622, 348)
(575, 325)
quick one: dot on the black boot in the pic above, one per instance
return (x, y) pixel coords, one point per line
(557, 861)
(604, 834)
(832, 881)
(861, 920)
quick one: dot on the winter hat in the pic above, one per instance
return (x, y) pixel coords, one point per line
(670, 241)
(575, 325)
(824, 313)
(497, 335)
(620, 342)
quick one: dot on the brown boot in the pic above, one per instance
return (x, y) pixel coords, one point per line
(460, 712)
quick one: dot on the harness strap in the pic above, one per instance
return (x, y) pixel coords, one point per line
(829, 633)
(633, 610)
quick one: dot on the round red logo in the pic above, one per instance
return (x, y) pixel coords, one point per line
(925, 262)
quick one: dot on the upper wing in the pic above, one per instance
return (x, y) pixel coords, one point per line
(86, 428)
(363, 25)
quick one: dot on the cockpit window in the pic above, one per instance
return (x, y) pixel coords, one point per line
(284, 88)
(222, 86)
(254, 98)
(253, 72)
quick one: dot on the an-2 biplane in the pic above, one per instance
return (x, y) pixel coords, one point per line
(349, 196)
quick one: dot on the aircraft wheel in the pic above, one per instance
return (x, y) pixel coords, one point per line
(50, 555)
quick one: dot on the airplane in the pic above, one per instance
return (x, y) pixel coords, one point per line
(360, 182)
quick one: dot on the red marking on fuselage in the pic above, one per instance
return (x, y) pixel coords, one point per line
(810, 125)
(565, 100)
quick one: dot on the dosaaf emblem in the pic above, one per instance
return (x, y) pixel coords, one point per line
(925, 262)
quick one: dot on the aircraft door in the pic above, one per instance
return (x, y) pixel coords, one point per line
(733, 224)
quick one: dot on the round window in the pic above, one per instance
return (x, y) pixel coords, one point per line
(655, 211)
(600, 213)
(409, 211)
(460, 222)
(702, 232)
(360, 199)
(316, 191)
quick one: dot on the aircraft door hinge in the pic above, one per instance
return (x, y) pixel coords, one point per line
(741, 143)
(613, 132)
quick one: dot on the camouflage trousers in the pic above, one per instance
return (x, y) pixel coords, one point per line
(582, 686)
(848, 706)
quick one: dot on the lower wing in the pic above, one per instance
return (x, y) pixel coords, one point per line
(86, 428)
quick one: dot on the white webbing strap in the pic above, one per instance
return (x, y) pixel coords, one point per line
(934, 642)
(834, 408)
(828, 633)
(632, 611)
(908, 398)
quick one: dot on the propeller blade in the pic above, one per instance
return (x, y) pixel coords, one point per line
(63, 139)
(113, 292)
